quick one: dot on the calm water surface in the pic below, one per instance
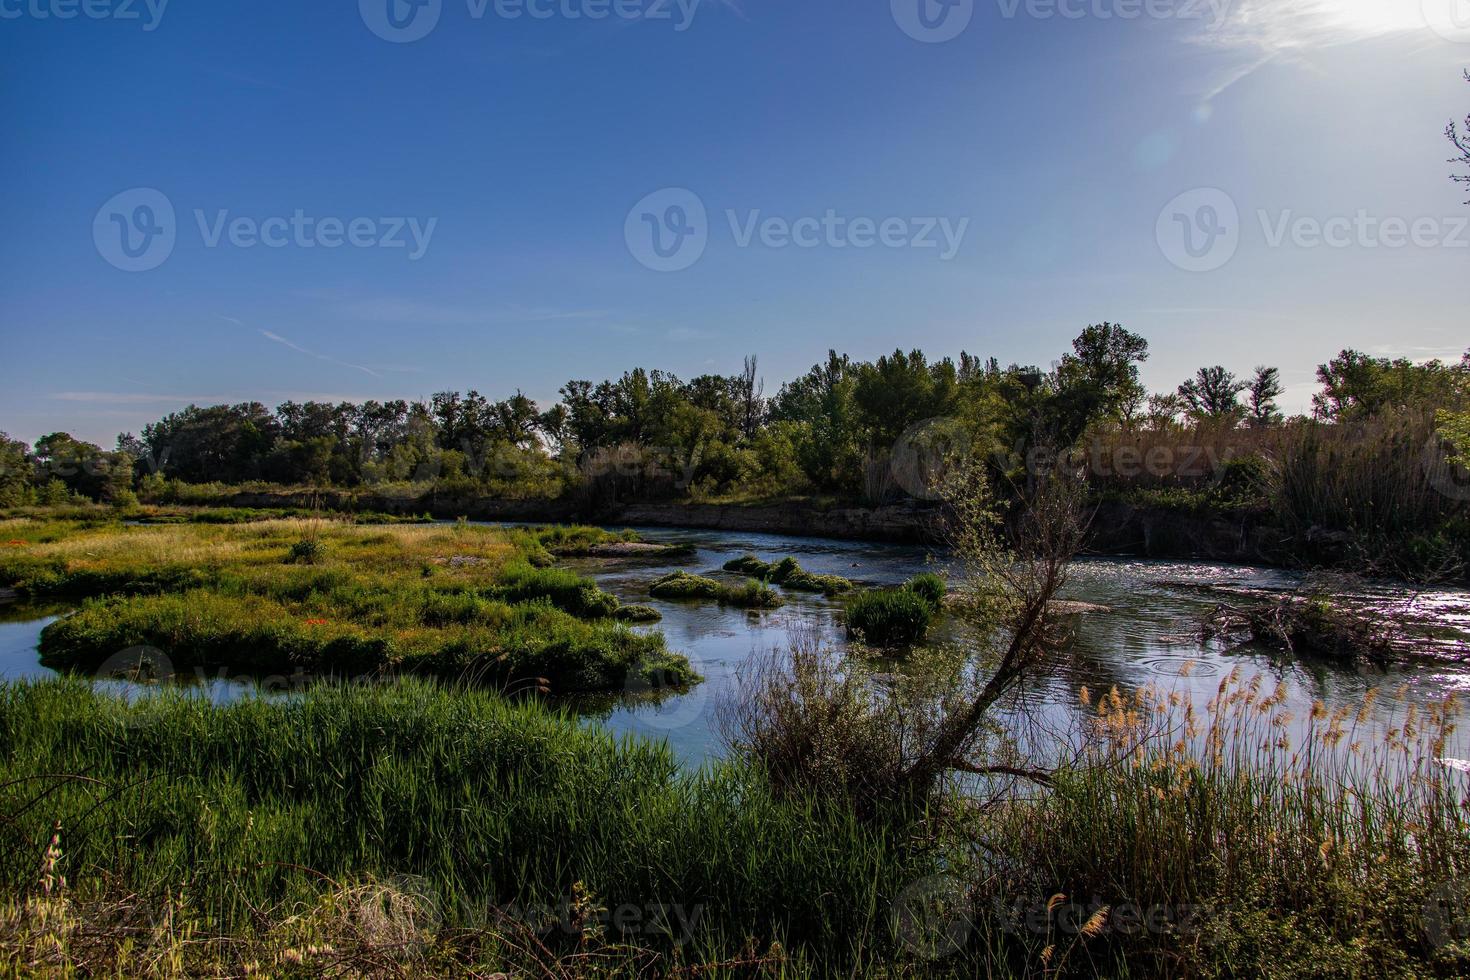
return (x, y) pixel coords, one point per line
(1149, 634)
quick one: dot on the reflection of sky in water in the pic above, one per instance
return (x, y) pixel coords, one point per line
(1149, 636)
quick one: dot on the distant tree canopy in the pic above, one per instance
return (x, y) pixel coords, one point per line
(833, 430)
(1356, 385)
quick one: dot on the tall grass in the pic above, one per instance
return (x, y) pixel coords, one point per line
(1373, 483)
(485, 806)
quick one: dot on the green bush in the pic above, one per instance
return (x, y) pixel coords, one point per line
(638, 614)
(307, 551)
(789, 574)
(682, 585)
(889, 617)
(930, 587)
(568, 591)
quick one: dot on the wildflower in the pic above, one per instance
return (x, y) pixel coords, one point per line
(316, 622)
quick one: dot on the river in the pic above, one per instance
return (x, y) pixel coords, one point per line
(1148, 635)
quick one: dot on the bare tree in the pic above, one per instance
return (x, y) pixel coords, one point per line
(1460, 139)
(751, 391)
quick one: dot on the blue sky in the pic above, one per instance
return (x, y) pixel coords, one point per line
(521, 150)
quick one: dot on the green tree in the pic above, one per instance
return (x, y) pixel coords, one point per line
(1261, 394)
(1356, 385)
(1213, 394)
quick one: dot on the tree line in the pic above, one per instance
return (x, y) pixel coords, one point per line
(826, 432)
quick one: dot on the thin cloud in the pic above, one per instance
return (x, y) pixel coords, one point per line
(132, 398)
(1266, 31)
(268, 335)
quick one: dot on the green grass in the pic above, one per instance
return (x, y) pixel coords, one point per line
(789, 574)
(444, 600)
(486, 804)
(681, 585)
(1225, 853)
(896, 617)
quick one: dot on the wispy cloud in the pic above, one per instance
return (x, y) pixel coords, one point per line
(320, 357)
(430, 314)
(1265, 31)
(133, 398)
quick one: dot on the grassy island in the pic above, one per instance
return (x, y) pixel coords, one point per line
(328, 597)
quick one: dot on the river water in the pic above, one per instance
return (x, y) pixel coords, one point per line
(1149, 634)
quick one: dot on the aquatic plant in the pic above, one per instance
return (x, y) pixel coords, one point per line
(789, 574)
(889, 617)
(683, 585)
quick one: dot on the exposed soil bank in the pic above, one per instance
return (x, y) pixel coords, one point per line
(1117, 528)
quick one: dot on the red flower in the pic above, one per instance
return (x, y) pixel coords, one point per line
(316, 622)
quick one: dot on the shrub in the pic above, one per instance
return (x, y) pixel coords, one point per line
(682, 585)
(638, 614)
(789, 574)
(889, 617)
(930, 587)
(568, 591)
(307, 551)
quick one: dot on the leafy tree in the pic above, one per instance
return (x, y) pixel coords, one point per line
(899, 390)
(821, 405)
(1356, 385)
(1213, 394)
(1098, 380)
(82, 467)
(15, 471)
(1263, 390)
